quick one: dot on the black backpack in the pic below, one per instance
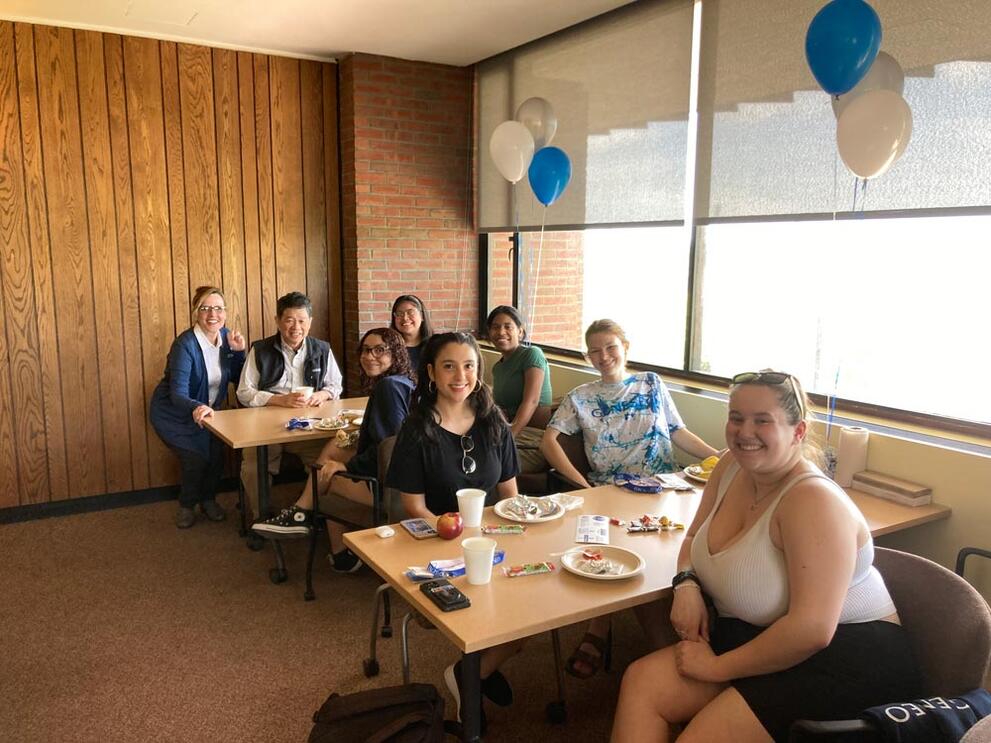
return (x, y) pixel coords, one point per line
(411, 713)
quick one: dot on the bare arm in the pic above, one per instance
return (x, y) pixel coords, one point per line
(692, 444)
(507, 489)
(533, 381)
(819, 539)
(415, 505)
(689, 616)
(556, 457)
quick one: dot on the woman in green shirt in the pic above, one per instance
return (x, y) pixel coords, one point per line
(521, 384)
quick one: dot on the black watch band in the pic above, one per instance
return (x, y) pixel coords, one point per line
(683, 576)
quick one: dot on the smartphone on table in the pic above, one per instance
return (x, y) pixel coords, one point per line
(443, 593)
(419, 528)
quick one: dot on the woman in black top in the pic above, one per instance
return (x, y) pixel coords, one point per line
(455, 437)
(386, 376)
(412, 321)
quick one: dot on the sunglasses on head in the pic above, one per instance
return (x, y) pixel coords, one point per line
(467, 463)
(772, 378)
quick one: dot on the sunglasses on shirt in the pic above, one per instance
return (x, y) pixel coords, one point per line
(468, 464)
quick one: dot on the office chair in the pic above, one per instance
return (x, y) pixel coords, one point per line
(949, 627)
(385, 507)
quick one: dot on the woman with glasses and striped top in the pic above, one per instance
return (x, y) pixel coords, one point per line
(805, 627)
(455, 437)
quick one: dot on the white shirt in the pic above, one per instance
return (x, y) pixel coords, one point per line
(292, 376)
(211, 357)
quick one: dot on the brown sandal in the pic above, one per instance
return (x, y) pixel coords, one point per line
(594, 662)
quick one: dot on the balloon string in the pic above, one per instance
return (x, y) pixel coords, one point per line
(856, 184)
(536, 274)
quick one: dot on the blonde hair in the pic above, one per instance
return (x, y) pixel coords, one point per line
(606, 326)
(201, 293)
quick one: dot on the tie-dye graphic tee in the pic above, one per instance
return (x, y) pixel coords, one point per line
(626, 426)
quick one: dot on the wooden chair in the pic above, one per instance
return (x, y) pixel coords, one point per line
(948, 624)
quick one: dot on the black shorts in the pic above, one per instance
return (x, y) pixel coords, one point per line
(865, 664)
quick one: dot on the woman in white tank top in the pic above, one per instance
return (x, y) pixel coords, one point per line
(806, 627)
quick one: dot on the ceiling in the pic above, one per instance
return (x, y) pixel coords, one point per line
(454, 32)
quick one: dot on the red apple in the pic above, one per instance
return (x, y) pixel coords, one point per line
(449, 525)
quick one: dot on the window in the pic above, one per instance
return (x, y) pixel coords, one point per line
(875, 296)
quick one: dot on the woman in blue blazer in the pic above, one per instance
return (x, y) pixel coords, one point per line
(202, 361)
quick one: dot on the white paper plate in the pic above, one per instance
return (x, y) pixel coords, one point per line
(569, 501)
(632, 563)
(547, 514)
(330, 426)
(696, 473)
(357, 421)
(351, 413)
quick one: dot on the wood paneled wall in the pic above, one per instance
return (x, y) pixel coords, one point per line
(131, 172)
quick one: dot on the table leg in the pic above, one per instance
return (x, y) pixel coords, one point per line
(471, 697)
(263, 495)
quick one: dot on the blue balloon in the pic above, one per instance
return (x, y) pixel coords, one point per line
(841, 44)
(549, 174)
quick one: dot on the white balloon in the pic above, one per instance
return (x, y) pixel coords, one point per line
(537, 115)
(885, 74)
(873, 132)
(511, 147)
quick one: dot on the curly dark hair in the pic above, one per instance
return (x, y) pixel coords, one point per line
(400, 358)
(423, 416)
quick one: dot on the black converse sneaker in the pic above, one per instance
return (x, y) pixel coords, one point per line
(291, 521)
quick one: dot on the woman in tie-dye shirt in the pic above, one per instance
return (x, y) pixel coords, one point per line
(628, 423)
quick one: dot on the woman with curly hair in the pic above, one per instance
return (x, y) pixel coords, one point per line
(388, 380)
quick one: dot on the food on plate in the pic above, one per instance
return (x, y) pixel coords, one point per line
(346, 439)
(709, 464)
(333, 423)
(592, 562)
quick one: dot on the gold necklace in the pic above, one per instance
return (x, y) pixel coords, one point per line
(758, 501)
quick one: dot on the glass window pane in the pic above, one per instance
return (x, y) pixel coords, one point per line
(637, 276)
(885, 311)
(500, 289)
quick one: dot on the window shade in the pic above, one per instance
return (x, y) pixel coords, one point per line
(619, 85)
(767, 134)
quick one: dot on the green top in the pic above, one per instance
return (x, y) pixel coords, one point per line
(507, 378)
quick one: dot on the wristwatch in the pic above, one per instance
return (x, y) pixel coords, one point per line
(683, 576)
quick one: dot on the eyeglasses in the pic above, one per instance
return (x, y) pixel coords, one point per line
(772, 378)
(467, 463)
(400, 314)
(204, 308)
(374, 351)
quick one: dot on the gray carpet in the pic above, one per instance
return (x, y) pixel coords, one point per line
(116, 626)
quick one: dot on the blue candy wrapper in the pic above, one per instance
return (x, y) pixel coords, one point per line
(639, 484)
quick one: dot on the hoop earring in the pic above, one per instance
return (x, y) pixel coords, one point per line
(431, 387)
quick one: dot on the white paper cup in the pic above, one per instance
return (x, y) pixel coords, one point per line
(478, 553)
(471, 503)
(307, 392)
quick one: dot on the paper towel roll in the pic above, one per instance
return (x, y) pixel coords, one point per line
(851, 454)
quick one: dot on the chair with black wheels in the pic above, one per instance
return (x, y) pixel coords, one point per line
(949, 627)
(386, 506)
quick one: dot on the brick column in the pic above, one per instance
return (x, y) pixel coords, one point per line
(408, 216)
